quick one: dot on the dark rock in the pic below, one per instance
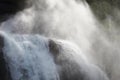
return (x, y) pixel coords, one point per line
(4, 69)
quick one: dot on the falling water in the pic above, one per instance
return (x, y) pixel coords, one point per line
(62, 19)
(26, 36)
(28, 58)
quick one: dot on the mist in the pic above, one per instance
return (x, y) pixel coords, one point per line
(90, 24)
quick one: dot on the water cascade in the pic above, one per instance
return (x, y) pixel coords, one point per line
(24, 43)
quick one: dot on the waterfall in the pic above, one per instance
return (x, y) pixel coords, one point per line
(34, 57)
(29, 57)
(25, 42)
(61, 19)
(26, 51)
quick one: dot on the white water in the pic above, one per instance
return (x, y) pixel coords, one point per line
(63, 19)
(29, 56)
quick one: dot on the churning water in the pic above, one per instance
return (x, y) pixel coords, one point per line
(29, 58)
(26, 34)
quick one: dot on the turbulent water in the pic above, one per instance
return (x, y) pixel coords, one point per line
(26, 39)
(64, 19)
(28, 58)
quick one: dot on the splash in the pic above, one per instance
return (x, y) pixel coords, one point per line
(60, 19)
